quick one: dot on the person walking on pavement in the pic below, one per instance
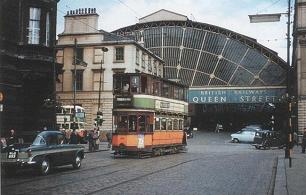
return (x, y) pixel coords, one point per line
(12, 138)
(91, 145)
(74, 137)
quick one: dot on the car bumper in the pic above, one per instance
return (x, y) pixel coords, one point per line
(18, 163)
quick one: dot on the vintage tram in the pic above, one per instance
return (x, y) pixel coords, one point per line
(149, 115)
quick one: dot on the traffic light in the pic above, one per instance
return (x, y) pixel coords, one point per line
(99, 120)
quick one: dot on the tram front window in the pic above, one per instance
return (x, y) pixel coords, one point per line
(132, 123)
(122, 123)
(142, 123)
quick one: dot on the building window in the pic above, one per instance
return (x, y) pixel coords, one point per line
(60, 56)
(34, 26)
(47, 29)
(149, 64)
(79, 56)
(143, 61)
(79, 80)
(96, 80)
(59, 82)
(137, 57)
(119, 54)
(155, 67)
(98, 56)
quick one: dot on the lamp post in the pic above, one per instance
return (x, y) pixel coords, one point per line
(99, 113)
(273, 18)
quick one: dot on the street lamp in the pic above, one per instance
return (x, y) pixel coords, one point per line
(274, 18)
(99, 113)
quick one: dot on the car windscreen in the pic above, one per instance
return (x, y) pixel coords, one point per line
(39, 140)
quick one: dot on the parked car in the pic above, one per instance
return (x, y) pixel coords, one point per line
(243, 136)
(251, 128)
(49, 148)
(266, 139)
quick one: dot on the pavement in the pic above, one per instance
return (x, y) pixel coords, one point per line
(291, 180)
(103, 146)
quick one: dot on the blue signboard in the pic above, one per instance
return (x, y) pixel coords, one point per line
(237, 95)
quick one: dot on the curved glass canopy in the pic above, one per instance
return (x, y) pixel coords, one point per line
(199, 54)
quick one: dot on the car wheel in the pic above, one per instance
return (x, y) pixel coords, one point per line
(257, 147)
(44, 167)
(77, 162)
(235, 140)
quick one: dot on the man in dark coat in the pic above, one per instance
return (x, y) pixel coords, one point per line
(12, 138)
(74, 138)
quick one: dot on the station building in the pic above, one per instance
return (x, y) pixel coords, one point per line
(232, 79)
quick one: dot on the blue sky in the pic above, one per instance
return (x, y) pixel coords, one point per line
(228, 14)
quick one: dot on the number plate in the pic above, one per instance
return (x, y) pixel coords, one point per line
(11, 155)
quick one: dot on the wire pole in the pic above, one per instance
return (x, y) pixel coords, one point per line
(74, 81)
(288, 151)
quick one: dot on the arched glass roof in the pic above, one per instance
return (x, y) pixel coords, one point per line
(199, 54)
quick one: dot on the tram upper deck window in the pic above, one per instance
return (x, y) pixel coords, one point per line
(121, 84)
(156, 88)
(166, 90)
(144, 85)
(135, 84)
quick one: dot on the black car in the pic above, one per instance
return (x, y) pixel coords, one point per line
(49, 148)
(266, 139)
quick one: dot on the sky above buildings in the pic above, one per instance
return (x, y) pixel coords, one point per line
(232, 15)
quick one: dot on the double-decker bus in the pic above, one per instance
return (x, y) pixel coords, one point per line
(65, 120)
(149, 114)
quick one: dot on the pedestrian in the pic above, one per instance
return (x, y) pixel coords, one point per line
(12, 138)
(109, 138)
(74, 137)
(91, 145)
(217, 130)
(96, 138)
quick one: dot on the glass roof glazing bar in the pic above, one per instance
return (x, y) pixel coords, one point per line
(181, 51)
(196, 68)
(219, 58)
(246, 52)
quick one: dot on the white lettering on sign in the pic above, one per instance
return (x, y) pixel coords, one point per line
(209, 99)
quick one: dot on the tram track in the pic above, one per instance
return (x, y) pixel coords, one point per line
(141, 176)
(56, 175)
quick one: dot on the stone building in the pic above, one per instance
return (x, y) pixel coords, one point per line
(299, 59)
(99, 50)
(27, 39)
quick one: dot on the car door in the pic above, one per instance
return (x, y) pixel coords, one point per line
(53, 148)
(62, 149)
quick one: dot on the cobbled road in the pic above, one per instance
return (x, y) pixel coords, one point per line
(212, 165)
